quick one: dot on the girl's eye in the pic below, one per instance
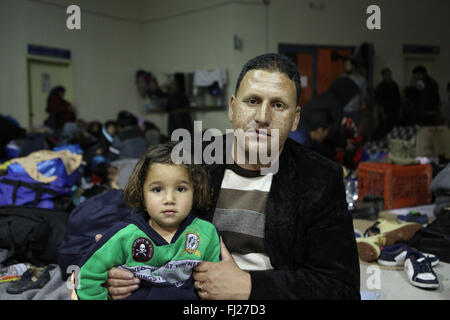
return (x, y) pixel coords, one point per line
(156, 189)
(181, 189)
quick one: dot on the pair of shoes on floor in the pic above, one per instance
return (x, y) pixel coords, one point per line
(384, 233)
(414, 216)
(33, 278)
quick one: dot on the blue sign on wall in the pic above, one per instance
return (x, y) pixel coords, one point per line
(50, 52)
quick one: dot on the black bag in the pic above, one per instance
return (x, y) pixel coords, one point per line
(434, 238)
(94, 216)
(31, 234)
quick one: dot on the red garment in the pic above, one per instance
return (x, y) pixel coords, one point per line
(61, 108)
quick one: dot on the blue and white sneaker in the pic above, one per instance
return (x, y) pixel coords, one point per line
(395, 255)
(419, 271)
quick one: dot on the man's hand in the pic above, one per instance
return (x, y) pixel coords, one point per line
(222, 280)
(121, 283)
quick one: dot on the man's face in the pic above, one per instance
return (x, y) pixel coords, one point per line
(265, 102)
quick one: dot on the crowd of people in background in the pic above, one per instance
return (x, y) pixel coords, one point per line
(337, 122)
(102, 142)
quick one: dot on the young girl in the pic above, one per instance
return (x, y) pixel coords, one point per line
(160, 242)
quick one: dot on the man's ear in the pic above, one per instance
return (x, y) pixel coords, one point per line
(296, 119)
(231, 108)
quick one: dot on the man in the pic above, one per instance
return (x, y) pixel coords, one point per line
(286, 234)
(353, 107)
(423, 93)
(387, 96)
(332, 102)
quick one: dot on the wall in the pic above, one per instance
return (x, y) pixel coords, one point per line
(104, 56)
(119, 37)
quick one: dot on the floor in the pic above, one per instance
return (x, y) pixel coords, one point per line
(391, 283)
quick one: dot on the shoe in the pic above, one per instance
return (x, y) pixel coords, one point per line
(395, 255)
(393, 232)
(383, 233)
(414, 216)
(33, 278)
(419, 271)
(368, 248)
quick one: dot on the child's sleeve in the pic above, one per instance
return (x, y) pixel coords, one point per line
(213, 249)
(108, 252)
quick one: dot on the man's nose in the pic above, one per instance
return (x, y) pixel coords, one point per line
(263, 114)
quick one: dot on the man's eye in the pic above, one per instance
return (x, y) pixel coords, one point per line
(156, 189)
(253, 101)
(279, 105)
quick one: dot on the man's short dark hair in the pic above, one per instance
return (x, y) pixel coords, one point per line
(273, 62)
(419, 69)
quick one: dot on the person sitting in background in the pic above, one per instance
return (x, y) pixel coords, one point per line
(94, 128)
(313, 132)
(60, 111)
(104, 141)
(130, 142)
(151, 132)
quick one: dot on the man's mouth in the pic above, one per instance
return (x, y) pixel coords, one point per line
(259, 132)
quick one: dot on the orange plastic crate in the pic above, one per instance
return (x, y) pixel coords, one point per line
(400, 186)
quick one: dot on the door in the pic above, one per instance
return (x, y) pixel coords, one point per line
(42, 77)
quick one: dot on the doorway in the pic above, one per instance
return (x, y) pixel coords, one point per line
(43, 75)
(319, 66)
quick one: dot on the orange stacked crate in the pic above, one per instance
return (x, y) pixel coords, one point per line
(400, 186)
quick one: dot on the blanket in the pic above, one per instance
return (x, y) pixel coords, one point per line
(55, 289)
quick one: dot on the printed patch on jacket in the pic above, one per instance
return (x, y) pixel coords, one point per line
(142, 250)
(191, 243)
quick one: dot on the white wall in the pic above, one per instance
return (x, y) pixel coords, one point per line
(104, 57)
(118, 37)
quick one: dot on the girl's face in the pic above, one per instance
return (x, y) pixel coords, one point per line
(168, 196)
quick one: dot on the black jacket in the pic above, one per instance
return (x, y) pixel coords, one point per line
(309, 235)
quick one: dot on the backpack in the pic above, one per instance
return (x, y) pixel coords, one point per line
(93, 216)
(434, 238)
(31, 234)
(20, 190)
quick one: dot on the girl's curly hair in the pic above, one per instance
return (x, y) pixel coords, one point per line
(161, 153)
